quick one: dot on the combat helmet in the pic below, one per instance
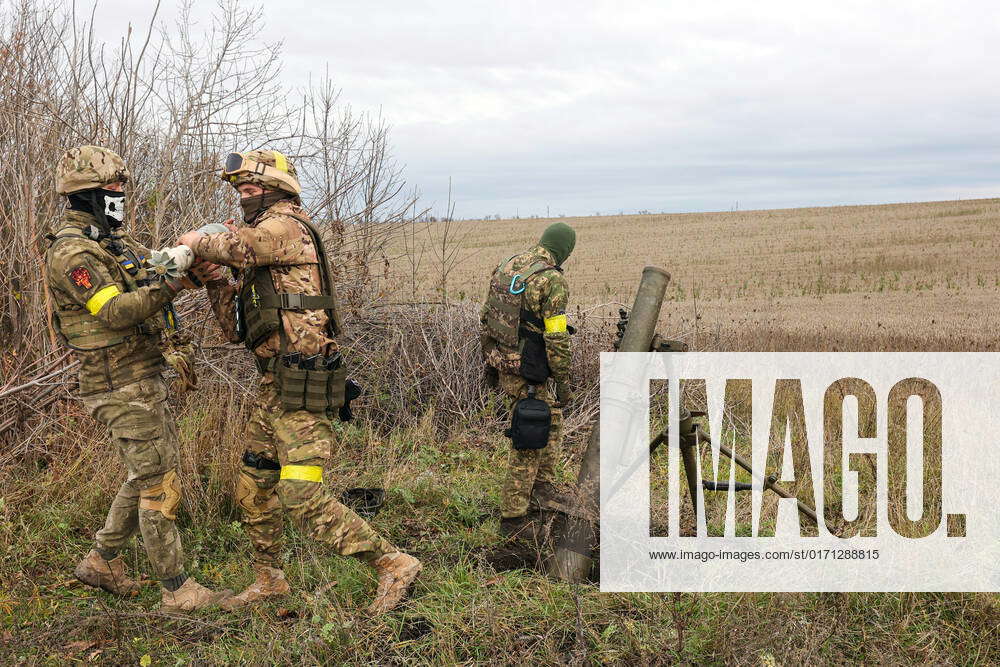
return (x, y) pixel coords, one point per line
(89, 167)
(269, 169)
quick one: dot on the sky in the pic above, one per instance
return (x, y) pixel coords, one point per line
(576, 108)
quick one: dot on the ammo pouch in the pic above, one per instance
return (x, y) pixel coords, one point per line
(255, 323)
(311, 390)
(530, 423)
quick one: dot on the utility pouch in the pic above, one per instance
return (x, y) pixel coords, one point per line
(534, 361)
(311, 390)
(530, 423)
(352, 390)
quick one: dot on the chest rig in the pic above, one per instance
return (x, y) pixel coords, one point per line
(512, 326)
(317, 383)
(85, 332)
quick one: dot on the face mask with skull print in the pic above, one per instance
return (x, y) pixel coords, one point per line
(112, 204)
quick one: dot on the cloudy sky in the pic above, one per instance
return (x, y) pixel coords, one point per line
(583, 107)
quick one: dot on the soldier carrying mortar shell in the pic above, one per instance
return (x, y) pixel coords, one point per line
(283, 307)
(115, 313)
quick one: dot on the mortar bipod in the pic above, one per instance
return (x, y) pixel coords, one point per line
(692, 436)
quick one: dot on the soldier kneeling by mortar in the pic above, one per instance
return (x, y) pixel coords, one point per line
(283, 308)
(526, 349)
(116, 315)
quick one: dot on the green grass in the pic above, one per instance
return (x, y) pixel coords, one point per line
(441, 506)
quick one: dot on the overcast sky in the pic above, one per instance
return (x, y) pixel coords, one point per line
(576, 107)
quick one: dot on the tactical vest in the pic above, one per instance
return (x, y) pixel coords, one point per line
(84, 332)
(259, 304)
(507, 318)
(319, 390)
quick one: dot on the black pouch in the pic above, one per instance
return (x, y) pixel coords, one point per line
(530, 423)
(534, 362)
(352, 390)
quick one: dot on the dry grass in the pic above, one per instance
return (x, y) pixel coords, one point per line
(895, 277)
(430, 435)
(911, 276)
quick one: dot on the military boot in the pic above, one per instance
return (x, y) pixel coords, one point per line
(270, 582)
(107, 574)
(192, 596)
(547, 496)
(527, 527)
(395, 572)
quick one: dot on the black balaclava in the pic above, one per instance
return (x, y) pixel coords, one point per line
(254, 206)
(107, 207)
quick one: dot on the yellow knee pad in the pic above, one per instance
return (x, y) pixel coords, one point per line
(164, 497)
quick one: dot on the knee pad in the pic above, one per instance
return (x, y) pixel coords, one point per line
(164, 497)
(248, 495)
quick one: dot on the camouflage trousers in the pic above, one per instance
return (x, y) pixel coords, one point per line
(144, 433)
(529, 466)
(300, 442)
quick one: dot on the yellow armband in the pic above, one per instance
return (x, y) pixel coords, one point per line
(555, 324)
(305, 473)
(101, 297)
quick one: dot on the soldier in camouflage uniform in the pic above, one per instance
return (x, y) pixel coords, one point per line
(283, 309)
(524, 321)
(112, 314)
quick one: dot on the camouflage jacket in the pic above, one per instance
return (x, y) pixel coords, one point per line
(280, 242)
(546, 295)
(104, 306)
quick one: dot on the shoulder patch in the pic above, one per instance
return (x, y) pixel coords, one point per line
(80, 276)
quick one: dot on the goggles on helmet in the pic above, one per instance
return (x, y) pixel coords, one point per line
(238, 163)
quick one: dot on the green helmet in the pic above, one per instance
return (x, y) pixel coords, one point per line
(88, 167)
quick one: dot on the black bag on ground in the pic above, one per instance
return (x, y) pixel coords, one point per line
(530, 423)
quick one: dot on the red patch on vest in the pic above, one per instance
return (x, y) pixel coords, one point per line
(81, 277)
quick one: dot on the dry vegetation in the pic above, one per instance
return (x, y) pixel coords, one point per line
(902, 277)
(895, 277)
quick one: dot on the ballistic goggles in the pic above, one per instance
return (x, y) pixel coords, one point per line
(237, 164)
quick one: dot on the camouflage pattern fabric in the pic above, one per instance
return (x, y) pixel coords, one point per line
(303, 439)
(546, 295)
(124, 333)
(222, 297)
(89, 167)
(178, 349)
(144, 433)
(530, 466)
(280, 242)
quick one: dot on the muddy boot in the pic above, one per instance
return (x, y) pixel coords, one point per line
(395, 572)
(107, 574)
(546, 496)
(192, 596)
(270, 582)
(527, 528)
